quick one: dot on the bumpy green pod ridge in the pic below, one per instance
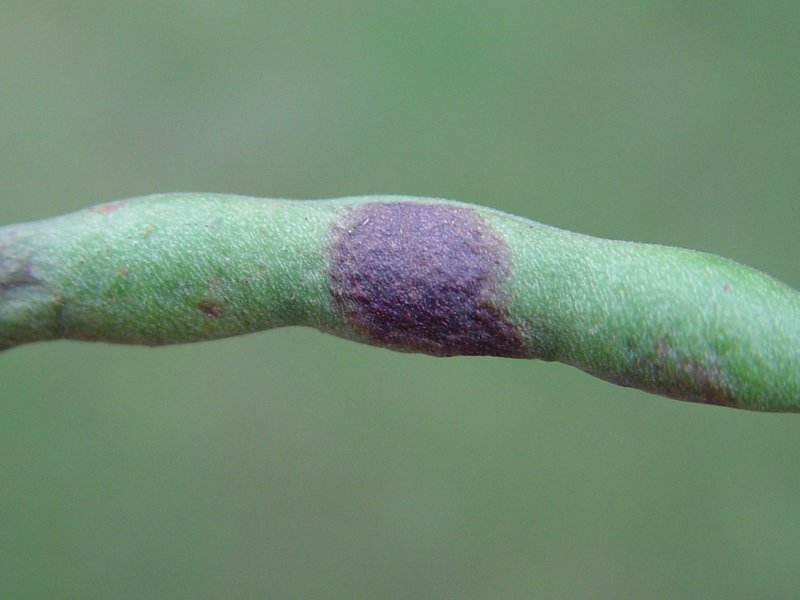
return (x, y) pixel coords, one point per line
(411, 274)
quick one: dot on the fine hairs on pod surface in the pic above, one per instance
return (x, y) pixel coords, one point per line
(410, 274)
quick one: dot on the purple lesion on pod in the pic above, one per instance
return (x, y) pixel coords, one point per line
(423, 277)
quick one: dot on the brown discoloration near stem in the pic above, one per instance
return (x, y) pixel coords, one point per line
(423, 278)
(18, 277)
(667, 372)
(15, 272)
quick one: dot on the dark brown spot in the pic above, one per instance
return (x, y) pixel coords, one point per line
(210, 309)
(706, 384)
(423, 278)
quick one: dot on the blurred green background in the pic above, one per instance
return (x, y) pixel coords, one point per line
(291, 464)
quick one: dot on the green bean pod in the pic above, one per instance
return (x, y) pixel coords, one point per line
(410, 274)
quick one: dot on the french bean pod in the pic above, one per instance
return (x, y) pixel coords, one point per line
(410, 274)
